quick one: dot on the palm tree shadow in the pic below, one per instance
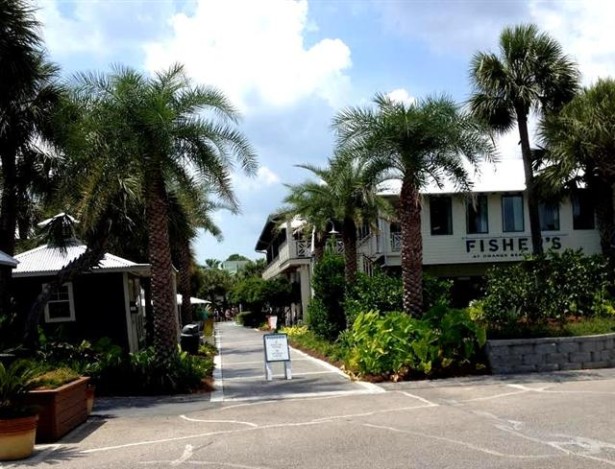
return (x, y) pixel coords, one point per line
(52, 456)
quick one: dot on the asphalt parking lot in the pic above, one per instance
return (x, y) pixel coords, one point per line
(558, 420)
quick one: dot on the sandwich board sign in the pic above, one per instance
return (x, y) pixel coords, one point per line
(276, 350)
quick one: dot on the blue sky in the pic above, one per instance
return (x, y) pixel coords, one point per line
(290, 65)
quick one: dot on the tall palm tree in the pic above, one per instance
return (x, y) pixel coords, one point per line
(530, 74)
(189, 211)
(346, 193)
(581, 147)
(428, 140)
(156, 130)
(27, 98)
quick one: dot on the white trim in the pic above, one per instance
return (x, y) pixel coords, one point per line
(129, 329)
(71, 306)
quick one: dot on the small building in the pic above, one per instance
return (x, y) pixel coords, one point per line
(105, 302)
(289, 254)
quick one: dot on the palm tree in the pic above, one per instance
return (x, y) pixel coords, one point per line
(531, 74)
(154, 129)
(189, 211)
(212, 263)
(28, 95)
(428, 140)
(580, 147)
(346, 193)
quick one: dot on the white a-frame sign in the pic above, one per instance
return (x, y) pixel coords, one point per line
(276, 350)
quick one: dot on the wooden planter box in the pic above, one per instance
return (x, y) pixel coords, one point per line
(60, 409)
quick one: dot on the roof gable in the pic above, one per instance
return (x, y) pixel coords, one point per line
(46, 260)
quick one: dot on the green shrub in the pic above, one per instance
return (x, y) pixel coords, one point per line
(141, 373)
(436, 291)
(302, 338)
(396, 345)
(545, 288)
(54, 378)
(325, 312)
(380, 292)
(384, 293)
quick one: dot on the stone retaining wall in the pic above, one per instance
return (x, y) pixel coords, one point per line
(551, 353)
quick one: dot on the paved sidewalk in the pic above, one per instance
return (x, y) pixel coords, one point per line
(240, 372)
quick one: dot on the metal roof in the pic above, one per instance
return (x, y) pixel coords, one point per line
(5, 259)
(45, 260)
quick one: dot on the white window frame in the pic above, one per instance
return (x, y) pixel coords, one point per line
(71, 306)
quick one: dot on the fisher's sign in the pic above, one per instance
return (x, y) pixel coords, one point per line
(508, 247)
(276, 348)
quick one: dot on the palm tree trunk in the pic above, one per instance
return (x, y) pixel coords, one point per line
(349, 238)
(532, 200)
(165, 314)
(411, 248)
(184, 287)
(320, 241)
(8, 220)
(602, 195)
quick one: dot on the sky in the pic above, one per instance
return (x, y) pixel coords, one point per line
(290, 65)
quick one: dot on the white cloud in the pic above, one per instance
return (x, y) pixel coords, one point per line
(585, 30)
(401, 95)
(67, 35)
(264, 177)
(255, 52)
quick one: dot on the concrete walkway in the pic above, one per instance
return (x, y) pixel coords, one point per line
(240, 371)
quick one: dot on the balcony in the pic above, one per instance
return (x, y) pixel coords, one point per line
(290, 253)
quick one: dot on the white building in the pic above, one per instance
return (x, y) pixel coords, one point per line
(463, 234)
(288, 253)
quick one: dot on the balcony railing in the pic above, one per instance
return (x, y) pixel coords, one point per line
(395, 242)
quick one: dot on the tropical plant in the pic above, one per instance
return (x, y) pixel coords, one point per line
(153, 129)
(345, 192)
(427, 140)
(396, 345)
(531, 74)
(581, 149)
(325, 312)
(15, 382)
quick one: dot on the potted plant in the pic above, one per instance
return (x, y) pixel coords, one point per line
(17, 420)
(61, 397)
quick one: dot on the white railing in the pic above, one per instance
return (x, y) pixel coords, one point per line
(395, 242)
(303, 248)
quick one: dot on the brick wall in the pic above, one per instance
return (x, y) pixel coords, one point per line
(551, 354)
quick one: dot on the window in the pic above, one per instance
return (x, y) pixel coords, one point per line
(441, 215)
(61, 307)
(512, 213)
(476, 215)
(548, 213)
(582, 211)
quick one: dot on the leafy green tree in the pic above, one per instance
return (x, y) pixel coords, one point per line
(530, 74)
(252, 269)
(427, 140)
(237, 257)
(154, 129)
(581, 148)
